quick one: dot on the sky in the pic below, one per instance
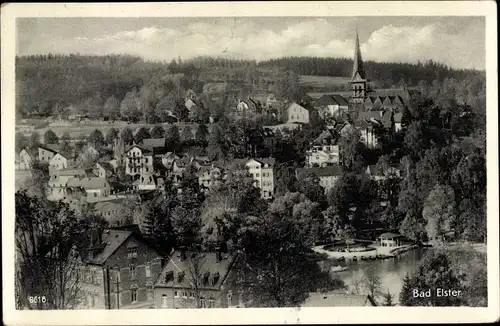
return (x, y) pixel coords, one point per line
(456, 41)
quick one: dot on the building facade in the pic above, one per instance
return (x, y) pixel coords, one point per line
(25, 159)
(262, 172)
(214, 272)
(138, 161)
(120, 271)
(297, 114)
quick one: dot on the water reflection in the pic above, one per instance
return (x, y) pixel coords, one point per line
(391, 271)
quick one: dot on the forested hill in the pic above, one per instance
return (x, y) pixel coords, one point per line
(47, 81)
(387, 72)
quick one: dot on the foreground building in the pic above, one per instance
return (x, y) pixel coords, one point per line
(119, 271)
(197, 280)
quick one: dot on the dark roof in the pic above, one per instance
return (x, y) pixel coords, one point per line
(208, 265)
(106, 166)
(268, 160)
(340, 100)
(390, 235)
(31, 152)
(151, 143)
(50, 147)
(112, 239)
(184, 161)
(333, 170)
(325, 135)
(325, 100)
(317, 299)
(142, 148)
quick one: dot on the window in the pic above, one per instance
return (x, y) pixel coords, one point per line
(164, 299)
(146, 160)
(211, 303)
(176, 294)
(149, 292)
(169, 276)
(148, 270)
(257, 175)
(132, 252)
(147, 170)
(229, 298)
(133, 295)
(132, 272)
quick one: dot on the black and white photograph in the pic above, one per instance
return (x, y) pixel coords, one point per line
(191, 163)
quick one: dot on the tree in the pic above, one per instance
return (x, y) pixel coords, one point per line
(372, 282)
(285, 180)
(111, 136)
(157, 132)
(141, 134)
(195, 267)
(185, 218)
(289, 87)
(21, 141)
(50, 137)
(439, 212)
(180, 110)
(127, 136)
(347, 235)
(415, 140)
(48, 238)
(96, 139)
(201, 135)
(388, 299)
(413, 225)
(270, 249)
(112, 108)
(34, 141)
(87, 158)
(172, 138)
(130, 107)
(435, 272)
(350, 149)
(37, 184)
(309, 185)
(186, 135)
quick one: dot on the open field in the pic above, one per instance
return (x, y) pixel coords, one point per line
(323, 81)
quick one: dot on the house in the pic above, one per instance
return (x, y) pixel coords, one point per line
(333, 299)
(104, 169)
(332, 106)
(110, 210)
(93, 186)
(328, 175)
(62, 160)
(297, 114)
(272, 102)
(180, 166)
(46, 152)
(145, 182)
(262, 172)
(138, 161)
(376, 174)
(168, 159)
(324, 150)
(368, 135)
(155, 145)
(57, 185)
(390, 239)
(26, 157)
(209, 177)
(214, 272)
(120, 271)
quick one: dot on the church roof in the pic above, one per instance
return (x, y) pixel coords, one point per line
(357, 68)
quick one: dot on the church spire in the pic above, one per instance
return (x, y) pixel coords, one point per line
(358, 61)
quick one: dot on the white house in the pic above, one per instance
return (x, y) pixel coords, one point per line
(26, 158)
(60, 161)
(297, 114)
(93, 186)
(328, 175)
(324, 150)
(46, 152)
(332, 106)
(138, 161)
(262, 172)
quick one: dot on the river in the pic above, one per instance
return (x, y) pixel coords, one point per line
(391, 271)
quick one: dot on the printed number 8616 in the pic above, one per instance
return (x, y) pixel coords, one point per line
(37, 299)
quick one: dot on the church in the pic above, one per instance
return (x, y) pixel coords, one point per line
(362, 98)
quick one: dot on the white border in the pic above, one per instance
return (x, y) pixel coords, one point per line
(249, 316)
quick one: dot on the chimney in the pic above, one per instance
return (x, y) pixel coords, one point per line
(182, 249)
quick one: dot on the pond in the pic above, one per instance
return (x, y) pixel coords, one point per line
(391, 271)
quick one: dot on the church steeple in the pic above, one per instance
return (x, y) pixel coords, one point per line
(358, 81)
(358, 61)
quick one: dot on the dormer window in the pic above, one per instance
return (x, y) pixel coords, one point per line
(180, 277)
(169, 276)
(132, 252)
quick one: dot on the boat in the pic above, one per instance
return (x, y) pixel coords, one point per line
(338, 268)
(341, 258)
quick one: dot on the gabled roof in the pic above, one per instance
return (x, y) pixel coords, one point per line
(296, 106)
(189, 104)
(110, 204)
(208, 265)
(268, 160)
(151, 143)
(112, 239)
(327, 171)
(325, 135)
(32, 153)
(106, 166)
(87, 183)
(50, 147)
(71, 172)
(387, 119)
(317, 299)
(340, 100)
